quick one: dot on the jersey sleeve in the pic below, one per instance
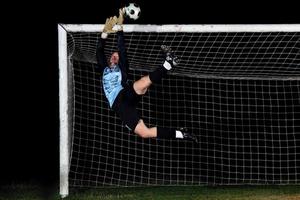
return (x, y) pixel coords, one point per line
(124, 65)
(100, 56)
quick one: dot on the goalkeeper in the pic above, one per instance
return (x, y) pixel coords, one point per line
(123, 97)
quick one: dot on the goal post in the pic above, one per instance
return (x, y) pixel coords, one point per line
(240, 82)
(64, 107)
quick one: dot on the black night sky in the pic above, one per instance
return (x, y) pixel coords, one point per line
(30, 135)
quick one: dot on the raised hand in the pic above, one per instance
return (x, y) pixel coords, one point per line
(109, 24)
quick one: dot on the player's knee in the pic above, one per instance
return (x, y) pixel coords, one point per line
(141, 130)
(146, 84)
(141, 86)
(142, 92)
(143, 133)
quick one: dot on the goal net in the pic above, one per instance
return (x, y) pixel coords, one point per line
(237, 88)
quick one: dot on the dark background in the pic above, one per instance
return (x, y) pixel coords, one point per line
(30, 115)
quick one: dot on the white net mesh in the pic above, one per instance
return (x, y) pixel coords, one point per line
(239, 93)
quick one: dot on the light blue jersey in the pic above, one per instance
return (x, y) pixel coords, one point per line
(111, 80)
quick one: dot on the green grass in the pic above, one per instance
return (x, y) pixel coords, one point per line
(33, 192)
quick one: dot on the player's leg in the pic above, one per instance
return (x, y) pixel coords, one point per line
(162, 133)
(141, 86)
(132, 120)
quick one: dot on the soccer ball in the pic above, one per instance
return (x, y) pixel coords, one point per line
(133, 11)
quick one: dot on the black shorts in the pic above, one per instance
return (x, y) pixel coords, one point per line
(125, 107)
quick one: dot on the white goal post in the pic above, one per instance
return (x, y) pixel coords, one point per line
(65, 79)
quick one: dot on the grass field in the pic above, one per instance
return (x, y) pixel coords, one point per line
(34, 192)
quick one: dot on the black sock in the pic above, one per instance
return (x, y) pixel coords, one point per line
(158, 74)
(166, 133)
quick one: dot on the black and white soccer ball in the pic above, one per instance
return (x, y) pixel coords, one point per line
(133, 11)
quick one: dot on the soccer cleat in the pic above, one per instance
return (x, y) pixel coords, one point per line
(188, 136)
(170, 57)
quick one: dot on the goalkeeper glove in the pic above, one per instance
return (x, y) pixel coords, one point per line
(120, 20)
(108, 27)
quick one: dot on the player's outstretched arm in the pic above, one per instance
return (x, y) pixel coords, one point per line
(101, 58)
(121, 42)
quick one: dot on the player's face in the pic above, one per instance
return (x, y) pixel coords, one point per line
(114, 58)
